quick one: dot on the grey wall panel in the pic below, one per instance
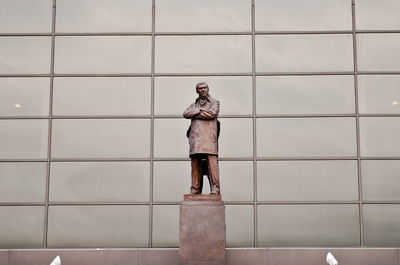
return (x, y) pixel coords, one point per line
(24, 96)
(166, 225)
(307, 181)
(98, 226)
(22, 182)
(308, 225)
(102, 54)
(23, 139)
(105, 16)
(381, 224)
(21, 226)
(374, 15)
(378, 52)
(186, 15)
(25, 55)
(90, 138)
(380, 180)
(286, 15)
(25, 16)
(99, 181)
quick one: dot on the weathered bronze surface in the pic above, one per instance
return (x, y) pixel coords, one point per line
(203, 140)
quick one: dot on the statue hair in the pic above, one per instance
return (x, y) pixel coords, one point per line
(201, 83)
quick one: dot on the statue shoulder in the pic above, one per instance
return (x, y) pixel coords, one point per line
(213, 100)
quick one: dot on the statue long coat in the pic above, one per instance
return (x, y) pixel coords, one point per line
(203, 135)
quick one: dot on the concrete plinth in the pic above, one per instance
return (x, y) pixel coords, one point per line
(202, 230)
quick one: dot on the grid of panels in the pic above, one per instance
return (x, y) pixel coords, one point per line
(283, 154)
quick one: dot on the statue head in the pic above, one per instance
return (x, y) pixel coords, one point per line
(202, 89)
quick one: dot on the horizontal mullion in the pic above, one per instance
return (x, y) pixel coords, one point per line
(380, 202)
(377, 31)
(231, 116)
(378, 73)
(387, 115)
(205, 74)
(105, 75)
(97, 203)
(380, 158)
(304, 73)
(84, 117)
(188, 159)
(304, 202)
(198, 33)
(193, 33)
(105, 34)
(305, 115)
(250, 203)
(304, 158)
(297, 32)
(22, 204)
(201, 74)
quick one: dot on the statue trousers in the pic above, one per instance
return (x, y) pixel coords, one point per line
(199, 169)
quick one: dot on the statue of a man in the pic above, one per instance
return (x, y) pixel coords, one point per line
(203, 139)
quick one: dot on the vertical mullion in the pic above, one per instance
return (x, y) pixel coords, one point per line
(152, 123)
(253, 83)
(46, 209)
(360, 199)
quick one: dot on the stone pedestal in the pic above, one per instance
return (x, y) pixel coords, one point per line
(202, 230)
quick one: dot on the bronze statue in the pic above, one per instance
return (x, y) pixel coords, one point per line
(203, 140)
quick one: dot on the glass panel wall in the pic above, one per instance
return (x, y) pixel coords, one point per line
(92, 136)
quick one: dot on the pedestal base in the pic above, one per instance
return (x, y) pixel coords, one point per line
(202, 230)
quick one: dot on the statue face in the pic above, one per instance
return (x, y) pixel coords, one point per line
(202, 90)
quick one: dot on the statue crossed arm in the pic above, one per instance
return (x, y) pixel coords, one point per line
(203, 139)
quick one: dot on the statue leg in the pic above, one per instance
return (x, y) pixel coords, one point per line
(213, 173)
(196, 172)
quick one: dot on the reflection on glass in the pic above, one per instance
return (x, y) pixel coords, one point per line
(233, 92)
(25, 55)
(305, 94)
(24, 96)
(203, 54)
(23, 139)
(304, 53)
(205, 15)
(101, 96)
(89, 226)
(303, 15)
(103, 16)
(378, 52)
(25, 16)
(102, 55)
(379, 93)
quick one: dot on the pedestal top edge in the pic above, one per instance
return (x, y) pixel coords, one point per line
(202, 197)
